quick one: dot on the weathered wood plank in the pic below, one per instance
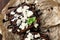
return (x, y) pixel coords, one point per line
(3, 3)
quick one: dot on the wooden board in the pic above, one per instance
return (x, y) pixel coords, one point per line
(3, 3)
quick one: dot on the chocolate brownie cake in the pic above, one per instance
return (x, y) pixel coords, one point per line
(24, 20)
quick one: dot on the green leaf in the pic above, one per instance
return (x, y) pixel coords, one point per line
(31, 20)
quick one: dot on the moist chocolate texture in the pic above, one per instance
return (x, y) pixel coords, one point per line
(24, 20)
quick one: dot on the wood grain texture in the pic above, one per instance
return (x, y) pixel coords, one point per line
(3, 3)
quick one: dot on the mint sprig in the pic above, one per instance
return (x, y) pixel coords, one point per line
(31, 20)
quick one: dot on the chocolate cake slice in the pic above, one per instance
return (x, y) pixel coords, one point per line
(23, 17)
(24, 20)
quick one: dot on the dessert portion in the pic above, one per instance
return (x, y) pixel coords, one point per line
(23, 17)
(24, 20)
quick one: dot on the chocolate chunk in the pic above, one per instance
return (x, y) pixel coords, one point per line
(1, 36)
(11, 7)
(4, 20)
(37, 13)
(10, 26)
(52, 8)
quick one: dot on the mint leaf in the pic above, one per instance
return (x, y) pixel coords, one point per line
(31, 20)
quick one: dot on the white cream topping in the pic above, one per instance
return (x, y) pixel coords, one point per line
(25, 16)
(19, 9)
(26, 13)
(26, 7)
(16, 15)
(30, 36)
(20, 16)
(23, 25)
(35, 25)
(18, 22)
(29, 13)
(23, 19)
(18, 30)
(37, 35)
(12, 13)
(27, 39)
(13, 19)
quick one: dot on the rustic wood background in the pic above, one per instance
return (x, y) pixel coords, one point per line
(3, 3)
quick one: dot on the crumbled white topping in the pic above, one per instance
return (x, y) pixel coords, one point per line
(26, 7)
(29, 13)
(16, 15)
(12, 13)
(43, 39)
(18, 30)
(24, 12)
(20, 16)
(23, 25)
(19, 9)
(37, 35)
(23, 19)
(14, 19)
(10, 30)
(28, 31)
(30, 36)
(18, 22)
(35, 25)
(27, 39)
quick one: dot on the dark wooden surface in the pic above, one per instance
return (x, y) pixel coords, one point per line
(3, 3)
